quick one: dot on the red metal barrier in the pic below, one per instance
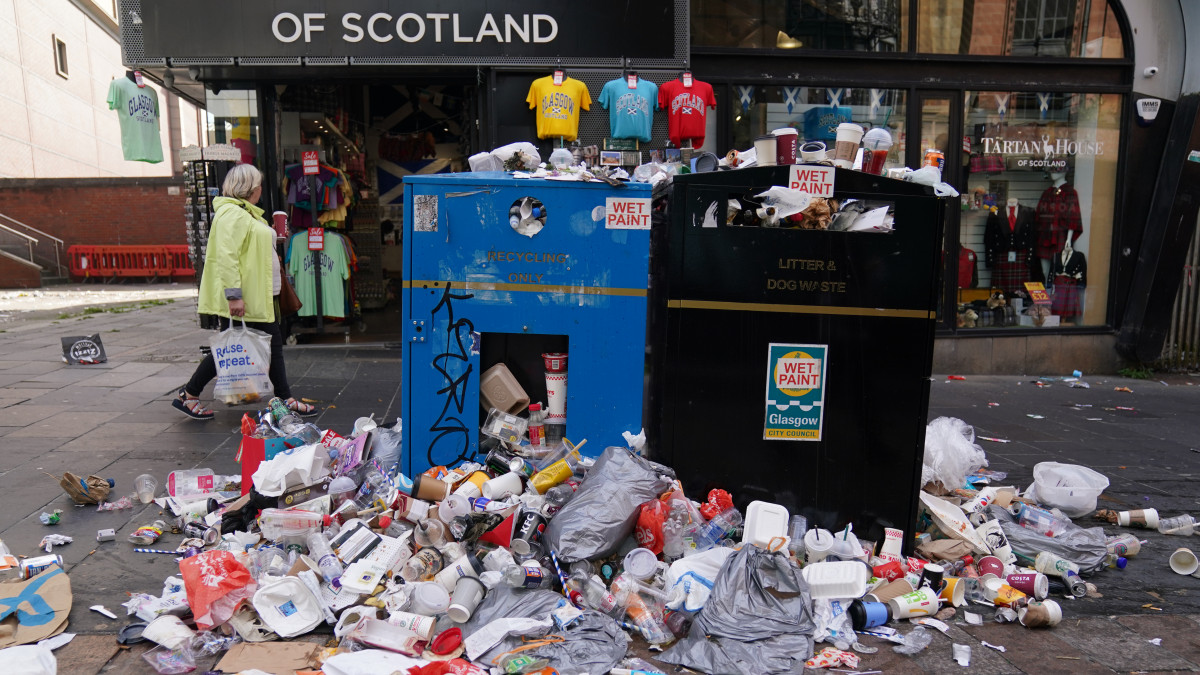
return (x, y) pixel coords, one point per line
(147, 262)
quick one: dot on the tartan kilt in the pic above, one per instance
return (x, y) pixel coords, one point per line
(1010, 276)
(1067, 300)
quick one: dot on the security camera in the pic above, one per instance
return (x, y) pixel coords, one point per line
(1150, 72)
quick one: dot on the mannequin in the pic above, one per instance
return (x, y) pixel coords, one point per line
(1009, 237)
(1069, 277)
(1058, 219)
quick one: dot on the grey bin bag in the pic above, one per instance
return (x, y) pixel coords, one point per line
(1086, 547)
(593, 644)
(757, 620)
(603, 512)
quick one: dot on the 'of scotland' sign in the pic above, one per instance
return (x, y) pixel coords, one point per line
(489, 31)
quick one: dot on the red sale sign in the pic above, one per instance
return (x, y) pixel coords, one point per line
(316, 239)
(311, 162)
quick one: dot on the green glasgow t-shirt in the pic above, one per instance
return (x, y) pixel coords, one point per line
(334, 269)
(137, 108)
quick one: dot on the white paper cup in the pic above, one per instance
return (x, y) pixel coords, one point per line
(428, 598)
(1144, 518)
(350, 618)
(468, 593)
(849, 135)
(417, 625)
(921, 602)
(1043, 614)
(764, 150)
(817, 544)
(503, 486)
(1183, 561)
(464, 566)
(812, 151)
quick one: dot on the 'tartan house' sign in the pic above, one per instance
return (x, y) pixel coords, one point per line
(487, 31)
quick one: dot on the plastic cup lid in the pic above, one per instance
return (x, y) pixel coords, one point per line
(641, 563)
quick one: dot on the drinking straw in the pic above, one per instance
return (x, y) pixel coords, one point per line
(156, 550)
(558, 568)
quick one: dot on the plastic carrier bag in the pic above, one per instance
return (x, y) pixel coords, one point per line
(1069, 487)
(243, 358)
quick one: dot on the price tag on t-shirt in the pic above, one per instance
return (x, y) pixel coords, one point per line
(137, 78)
(558, 78)
(631, 80)
(316, 239)
(687, 79)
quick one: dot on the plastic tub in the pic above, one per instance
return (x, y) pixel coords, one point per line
(842, 579)
(765, 522)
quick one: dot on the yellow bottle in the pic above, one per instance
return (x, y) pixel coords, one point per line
(556, 472)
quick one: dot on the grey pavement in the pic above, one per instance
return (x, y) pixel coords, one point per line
(115, 420)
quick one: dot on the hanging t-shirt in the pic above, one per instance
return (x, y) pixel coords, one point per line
(687, 110)
(335, 270)
(137, 108)
(630, 111)
(557, 106)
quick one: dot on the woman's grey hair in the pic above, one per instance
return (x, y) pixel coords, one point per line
(241, 181)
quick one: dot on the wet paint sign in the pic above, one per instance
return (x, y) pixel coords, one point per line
(795, 399)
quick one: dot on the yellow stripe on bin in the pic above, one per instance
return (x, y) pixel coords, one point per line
(802, 309)
(528, 288)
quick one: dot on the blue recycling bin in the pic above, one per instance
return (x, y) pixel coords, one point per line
(501, 270)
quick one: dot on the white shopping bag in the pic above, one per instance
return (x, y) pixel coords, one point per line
(243, 357)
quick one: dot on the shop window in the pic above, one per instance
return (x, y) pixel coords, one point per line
(60, 57)
(815, 113)
(856, 25)
(232, 117)
(1054, 28)
(1037, 209)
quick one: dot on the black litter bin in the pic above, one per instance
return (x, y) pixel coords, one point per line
(792, 365)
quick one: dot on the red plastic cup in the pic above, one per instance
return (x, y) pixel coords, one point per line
(890, 571)
(555, 363)
(915, 565)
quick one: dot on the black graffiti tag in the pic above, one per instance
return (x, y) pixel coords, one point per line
(449, 423)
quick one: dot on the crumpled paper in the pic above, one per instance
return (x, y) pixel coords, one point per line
(831, 657)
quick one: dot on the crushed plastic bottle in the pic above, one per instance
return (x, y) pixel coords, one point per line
(278, 524)
(319, 550)
(527, 576)
(915, 642)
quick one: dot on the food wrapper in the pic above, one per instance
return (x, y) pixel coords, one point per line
(831, 657)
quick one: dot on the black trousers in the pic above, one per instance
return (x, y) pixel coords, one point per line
(207, 370)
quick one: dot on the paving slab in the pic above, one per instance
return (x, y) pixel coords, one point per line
(86, 654)
(1107, 641)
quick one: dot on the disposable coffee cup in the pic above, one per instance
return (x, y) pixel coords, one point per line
(465, 566)
(1044, 614)
(892, 590)
(786, 140)
(921, 602)
(428, 598)
(430, 489)
(454, 506)
(416, 625)
(764, 150)
(503, 486)
(890, 570)
(1034, 584)
(812, 151)
(954, 592)
(932, 576)
(1144, 518)
(990, 564)
(876, 144)
(817, 544)
(848, 137)
(865, 614)
(1007, 596)
(279, 220)
(527, 529)
(1183, 561)
(468, 593)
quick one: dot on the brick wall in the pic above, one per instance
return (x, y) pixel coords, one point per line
(16, 274)
(130, 211)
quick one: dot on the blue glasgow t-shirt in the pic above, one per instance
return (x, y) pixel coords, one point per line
(630, 111)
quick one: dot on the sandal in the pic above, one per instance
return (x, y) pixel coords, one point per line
(191, 407)
(301, 408)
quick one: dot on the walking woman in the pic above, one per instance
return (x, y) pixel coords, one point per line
(241, 279)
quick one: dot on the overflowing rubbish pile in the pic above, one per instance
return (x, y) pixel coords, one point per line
(540, 559)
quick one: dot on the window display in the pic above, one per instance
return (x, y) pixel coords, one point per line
(1038, 201)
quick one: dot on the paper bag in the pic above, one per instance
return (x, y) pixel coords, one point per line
(34, 609)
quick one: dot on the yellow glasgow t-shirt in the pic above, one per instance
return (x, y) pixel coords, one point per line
(557, 106)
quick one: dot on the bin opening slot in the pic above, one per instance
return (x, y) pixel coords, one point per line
(521, 354)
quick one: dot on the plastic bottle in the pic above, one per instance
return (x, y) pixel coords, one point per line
(1040, 520)
(722, 525)
(279, 524)
(526, 576)
(647, 622)
(556, 498)
(148, 534)
(537, 428)
(521, 663)
(596, 595)
(1114, 561)
(318, 549)
(188, 484)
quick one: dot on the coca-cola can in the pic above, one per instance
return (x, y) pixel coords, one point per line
(528, 530)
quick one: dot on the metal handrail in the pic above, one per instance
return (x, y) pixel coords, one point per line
(58, 243)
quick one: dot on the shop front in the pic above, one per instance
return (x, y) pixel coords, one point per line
(1032, 108)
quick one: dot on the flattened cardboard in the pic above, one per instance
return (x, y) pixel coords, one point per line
(34, 609)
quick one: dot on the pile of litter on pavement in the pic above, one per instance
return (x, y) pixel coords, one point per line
(540, 559)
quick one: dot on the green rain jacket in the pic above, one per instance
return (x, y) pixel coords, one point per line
(240, 246)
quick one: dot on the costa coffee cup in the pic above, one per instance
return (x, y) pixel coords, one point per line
(921, 602)
(1034, 584)
(889, 591)
(279, 220)
(786, 140)
(1042, 614)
